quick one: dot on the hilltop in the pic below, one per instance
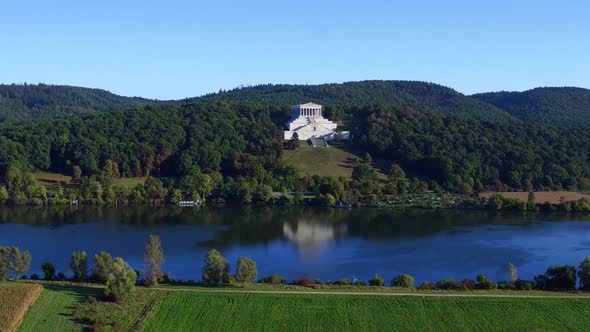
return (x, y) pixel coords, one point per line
(22, 103)
(563, 107)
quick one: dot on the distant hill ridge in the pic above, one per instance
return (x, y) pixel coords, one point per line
(555, 106)
(413, 94)
(22, 103)
(558, 106)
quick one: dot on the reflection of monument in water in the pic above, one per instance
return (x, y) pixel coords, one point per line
(309, 235)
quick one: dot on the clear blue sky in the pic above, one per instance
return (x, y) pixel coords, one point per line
(176, 49)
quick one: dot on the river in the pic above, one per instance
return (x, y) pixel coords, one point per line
(321, 243)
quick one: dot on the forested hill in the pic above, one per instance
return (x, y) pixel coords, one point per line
(564, 107)
(22, 103)
(406, 94)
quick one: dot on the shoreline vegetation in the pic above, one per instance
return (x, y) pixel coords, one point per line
(48, 189)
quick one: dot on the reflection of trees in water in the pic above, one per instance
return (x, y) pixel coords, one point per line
(310, 235)
(262, 224)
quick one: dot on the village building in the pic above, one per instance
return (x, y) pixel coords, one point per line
(307, 121)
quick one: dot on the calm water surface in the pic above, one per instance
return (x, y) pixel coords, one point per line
(321, 243)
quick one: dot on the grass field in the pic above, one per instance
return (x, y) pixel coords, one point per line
(200, 309)
(184, 311)
(15, 301)
(553, 197)
(53, 309)
(49, 179)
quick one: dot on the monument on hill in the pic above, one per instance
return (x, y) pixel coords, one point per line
(307, 121)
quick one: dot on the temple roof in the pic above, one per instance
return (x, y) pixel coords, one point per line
(307, 105)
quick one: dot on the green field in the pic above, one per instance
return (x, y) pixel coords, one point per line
(66, 308)
(184, 311)
(53, 309)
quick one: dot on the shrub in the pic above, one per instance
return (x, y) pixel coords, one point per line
(229, 279)
(377, 281)
(274, 279)
(427, 285)
(360, 283)
(304, 281)
(468, 284)
(35, 276)
(484, 283)
(166, 278)
(523, 285)
(343, 282)
(449, 284)
(403, 280)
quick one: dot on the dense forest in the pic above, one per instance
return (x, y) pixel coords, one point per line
(418, 95)
(231, 150)
(563, 107)
(21, 103)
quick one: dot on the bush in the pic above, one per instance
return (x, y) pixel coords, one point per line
(484, 283)
(274, 279)
(229, 279)
(467, 284)
(426, 285)
(449, 284)
(304, 281)
(360, 283)
(34, 276)
(403, 280)
(343, 282)
(523, 285)
(377, 281)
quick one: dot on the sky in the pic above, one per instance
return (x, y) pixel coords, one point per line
(176, 49)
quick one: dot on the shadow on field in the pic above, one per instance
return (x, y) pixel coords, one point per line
(79, 294)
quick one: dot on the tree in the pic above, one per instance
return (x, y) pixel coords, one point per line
(584, 274)
(153, 258)
(377, 281)
(247, 271)
(561, 277)
(48, 271)
(216, 267)
(79, 265)
(76, 173)
(513, 273)
(120, 281)
(5, 264)
(21, 261)
(4, 196)
(403, 280)
(103, 263)
(484, 283)
(531, 201)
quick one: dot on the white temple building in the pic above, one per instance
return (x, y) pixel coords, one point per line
(307, 121)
